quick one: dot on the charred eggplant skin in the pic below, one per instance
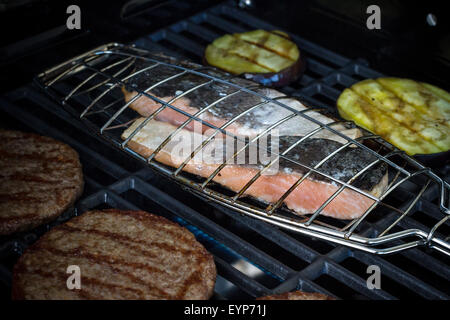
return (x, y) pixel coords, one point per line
(270, 58)
(279, 79)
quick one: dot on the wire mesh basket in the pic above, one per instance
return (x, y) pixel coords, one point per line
(91, 87)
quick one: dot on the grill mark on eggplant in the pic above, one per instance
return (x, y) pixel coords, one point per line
(261, 45)
(279, 34)
(251, 60)
(424, 88)
(402, 101)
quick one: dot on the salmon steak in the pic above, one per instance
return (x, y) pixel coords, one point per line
(306, 198)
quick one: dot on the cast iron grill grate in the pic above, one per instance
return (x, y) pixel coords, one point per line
(247, 266)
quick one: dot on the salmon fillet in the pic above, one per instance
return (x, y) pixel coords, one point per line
(251, 121)
(305, 198)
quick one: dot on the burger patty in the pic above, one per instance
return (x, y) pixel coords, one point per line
(121, 255)
(40, 178)
(297, 295)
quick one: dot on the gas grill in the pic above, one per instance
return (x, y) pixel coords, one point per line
(257, 250)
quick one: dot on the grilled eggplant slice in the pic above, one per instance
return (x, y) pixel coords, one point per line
(269, 58)
(411, 115)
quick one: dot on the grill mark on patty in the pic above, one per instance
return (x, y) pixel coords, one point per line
(191, 279)
(194, 277)
(40, 189)
(48, 275)
(34, 159)
(124, 239)
(18, 218)
(40, 152)
(32, 151)
(27, 162)
(66, 177)
(195, 280)
(108, 262)
(21, 268)
(24, 196)
(19, 197)
(85, 280)
(29, 178)
(185, 237)
(26, 136)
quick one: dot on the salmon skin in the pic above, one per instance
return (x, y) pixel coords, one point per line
(304, 199)
(251, 121)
